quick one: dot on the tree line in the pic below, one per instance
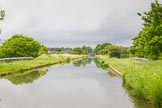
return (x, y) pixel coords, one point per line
(76, 50)
(148, 43)
(100, 49)
(24, 46)
(60, 50)
(111, 50)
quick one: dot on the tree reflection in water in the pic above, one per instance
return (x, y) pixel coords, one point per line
(26, 77)
(82, 62)
(85, 61)
(100, 65)
(104, 67)
(29, 76)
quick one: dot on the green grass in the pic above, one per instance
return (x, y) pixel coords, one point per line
(10, 67)
(143, 77)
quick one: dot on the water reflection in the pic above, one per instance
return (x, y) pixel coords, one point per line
(30, 76)
(26, 77)
(82, 62)
(87, 61)
(104, 67)
(67, 87)
(100, 65)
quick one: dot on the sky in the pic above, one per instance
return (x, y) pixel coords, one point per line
(73, 23)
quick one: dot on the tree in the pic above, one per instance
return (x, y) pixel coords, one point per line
(124, 52)
(101, 48)
(148, 43)
(43, 50)
(2, 15)
(87, 50)
(77, 50)
(131, 51)
(21, 46)
(114, 51)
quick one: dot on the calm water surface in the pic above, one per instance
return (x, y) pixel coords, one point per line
(74, 85)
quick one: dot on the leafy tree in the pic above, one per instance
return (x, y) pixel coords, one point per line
(77, 50)
(1, 52)
(114, 51)
(87, 50)
(131, 51)
(111, 50)
(148, 43)
(101, 48)
(124, 53)
(2, 15)
(43, 50)
(117, 51)
(22, 46)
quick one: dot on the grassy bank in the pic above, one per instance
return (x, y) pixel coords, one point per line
(144, 78)
(43, 60)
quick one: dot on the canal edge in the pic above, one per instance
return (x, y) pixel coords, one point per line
(37, 67)
(115, 70)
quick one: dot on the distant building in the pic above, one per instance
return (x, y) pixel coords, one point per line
(51, 52)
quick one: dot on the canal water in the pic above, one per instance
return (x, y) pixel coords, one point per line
(81, 84)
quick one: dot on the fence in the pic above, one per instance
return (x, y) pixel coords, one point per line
(15, 59)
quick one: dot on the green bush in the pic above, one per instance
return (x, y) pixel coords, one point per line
(21, 46)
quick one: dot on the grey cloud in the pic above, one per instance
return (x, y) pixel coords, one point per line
(74, 22)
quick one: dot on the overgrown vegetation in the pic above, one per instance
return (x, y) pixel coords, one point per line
(40, 61)
(143, 77)
(111, 50)
(21, 46)
(102, 48)
(148, 43)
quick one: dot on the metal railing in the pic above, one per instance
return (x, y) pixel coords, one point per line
(15, 59)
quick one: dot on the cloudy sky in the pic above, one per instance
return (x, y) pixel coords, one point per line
(72, 23)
